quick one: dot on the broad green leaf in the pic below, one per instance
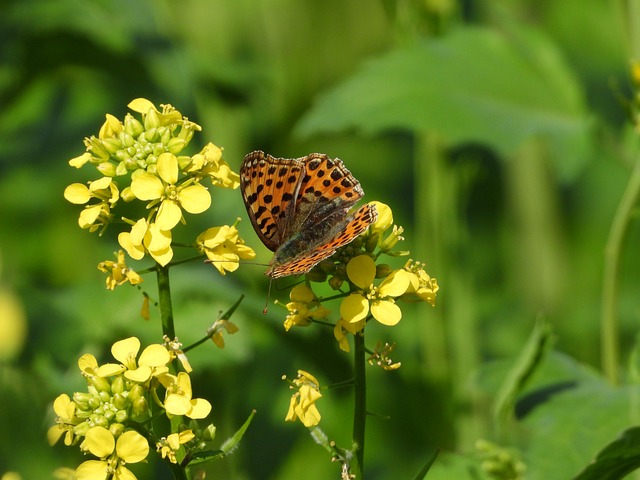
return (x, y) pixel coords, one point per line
(568, 431)
(617, 459)
(472, 85)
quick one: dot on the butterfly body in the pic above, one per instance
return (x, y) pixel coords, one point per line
(301, 208)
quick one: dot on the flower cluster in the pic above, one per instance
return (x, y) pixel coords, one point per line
(372, 289)
(369, 290)
(141, 160)
(107, 419)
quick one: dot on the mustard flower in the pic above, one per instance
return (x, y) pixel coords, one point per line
(303, 401)
(152, 362)
(209, 163)
(170, 445)
(215, 331)
(174, 347)
(379, 301)
(178, 399)
(164, 188)
(66, 420)
(303, 308)
(119, 272)
(381, 357)
(98, 214)
(147, 238)
(343, 329)
(131, 447)
(422, 287)
(224, 248)
(384, 220)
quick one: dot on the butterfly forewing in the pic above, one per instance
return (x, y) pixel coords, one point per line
(269, 187)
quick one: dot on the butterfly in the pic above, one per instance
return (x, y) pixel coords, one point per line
(301, 208)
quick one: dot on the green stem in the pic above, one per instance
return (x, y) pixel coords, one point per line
(360, 412)
(613, 250)
(164, 301)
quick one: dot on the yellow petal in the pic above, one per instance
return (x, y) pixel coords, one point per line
(140, 374)
(361, 270)
(169, 214)
(200, 408)
(87, 363)
(92, 470)
(132, 447)
(135, 251)
(99, 441)
(61, 406)
(301, 293)
(89, 215)
(177, 404)
(354, 308)
(109, 369)
(100, 184)
(168, 168)
(125, 350)
(195, 198)
(396, 283)
(141, 105)
(163, 256)
(385, 217)
(146, 186)
(77, 193)
(81, 160)
(386, 312)
(155, 356)
(123, 473)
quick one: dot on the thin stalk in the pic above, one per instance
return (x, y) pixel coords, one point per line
(164, 301)
(613, 250)
(360, 407)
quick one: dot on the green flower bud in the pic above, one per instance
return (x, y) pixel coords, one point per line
(105, 396)
(94, 403)
(209, 432)
(316, 275)
(372, 242)
(127, 140)
(127, 195)
(112, 145)
(82, 399)
(120, 401)
(116, 429)
(107, 169)
(140, 409)
(99, 421)
(132, 152)
(151, 120)
(117, 384)
(157, 149)
(383, 270)
(81, 429)
(150, 135)
(335, 282)
(132, 126)
(109, 416)
(136, 392)
(122, 416)
(165, 135)
(176, 145)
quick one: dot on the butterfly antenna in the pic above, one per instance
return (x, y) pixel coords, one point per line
(266, 305)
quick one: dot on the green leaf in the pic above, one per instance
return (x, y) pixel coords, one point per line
(567, 432)
(617, 459)
(528, 360)
(427, 466)
(472, 85)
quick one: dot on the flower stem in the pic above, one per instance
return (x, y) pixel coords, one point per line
(360, 412)
(613, 250)
(164, 301)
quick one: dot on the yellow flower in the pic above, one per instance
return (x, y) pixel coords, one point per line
(66, 420)
(378, 300)
(303, 401)
(173, 196)
(384, 220)
(209, 163)
(118, 272)
(303, 308)
(174, 347)
(170, 445)
(215, 331)
(178, 399)
(147, 238)
(131, 447)
(152, 362)
(342, 330)
(96, 215)
(224, 248)
(422, 287)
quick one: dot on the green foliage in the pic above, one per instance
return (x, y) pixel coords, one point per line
(500, 134)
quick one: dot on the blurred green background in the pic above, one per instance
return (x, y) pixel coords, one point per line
(498, 131)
